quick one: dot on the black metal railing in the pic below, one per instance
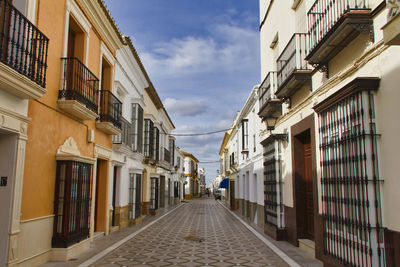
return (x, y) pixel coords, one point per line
(79, 83)
(125, 137)
(293, 57)
(110, 108)
(167, 155)
(350, 182)
(324, 14)
(268, 88)
(22, 46)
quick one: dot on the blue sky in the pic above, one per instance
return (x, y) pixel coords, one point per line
(203, 59)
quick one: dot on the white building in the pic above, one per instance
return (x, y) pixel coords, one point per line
(243, 163)
(125, 194)
(190, 169)
(329, 72)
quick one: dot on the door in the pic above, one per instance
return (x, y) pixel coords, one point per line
(138, 195)
(8, 147)
(114, 196)
(154, 194)
(232, 194)
(309, 191)
(162, 191)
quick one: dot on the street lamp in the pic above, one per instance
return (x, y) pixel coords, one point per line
(271, 122)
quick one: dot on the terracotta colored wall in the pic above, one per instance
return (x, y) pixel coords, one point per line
(49, 126)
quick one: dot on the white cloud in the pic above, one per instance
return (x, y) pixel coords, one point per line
(185, 107)
(227, 48)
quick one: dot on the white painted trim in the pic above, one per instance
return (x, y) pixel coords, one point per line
(107, 53)
(31, 11)
(121, 242)
(274, 248)
(74, 9)
(37, 219)
(102, 151)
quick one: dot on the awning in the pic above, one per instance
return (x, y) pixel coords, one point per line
(224, 183)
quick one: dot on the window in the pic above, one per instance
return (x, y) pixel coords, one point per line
(148, 138)
(350, 180)
(254, 143)
(172, 151)
(153, 193)
(137, 128)
(176, 189)
(135, 195)
(245, 135)
(178, 161)
(72, 203)
(156, 144)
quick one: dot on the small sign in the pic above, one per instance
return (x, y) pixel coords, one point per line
(3, 181)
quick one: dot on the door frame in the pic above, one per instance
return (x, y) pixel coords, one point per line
(291, 217)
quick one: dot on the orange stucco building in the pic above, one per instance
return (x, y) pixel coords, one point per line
(67, 163)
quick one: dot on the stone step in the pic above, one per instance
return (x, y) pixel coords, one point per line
(307, 245)
(97, 235)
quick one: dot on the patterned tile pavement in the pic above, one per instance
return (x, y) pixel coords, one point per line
(200, 233)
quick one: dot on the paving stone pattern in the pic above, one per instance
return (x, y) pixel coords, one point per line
(200, 233)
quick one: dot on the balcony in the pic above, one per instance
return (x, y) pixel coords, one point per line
(333, 25)
(293, 70)
(109, 120)
(123, 141)
(165, 159)
(269, 104)
(79, 95)
(23, 52)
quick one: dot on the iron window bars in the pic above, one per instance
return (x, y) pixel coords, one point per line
(72, 203)
(273, 186)
(153, 193)
(79, 83)
(324, 14)
(137, 128)
(292, 58)
(245, 135)
(167, 155)
(148, 138)
(268, 89)
(22, 46)
(156, 144)
(171, 145)
(352, 219)
(110, 108)
(125, 137)
(135, 195)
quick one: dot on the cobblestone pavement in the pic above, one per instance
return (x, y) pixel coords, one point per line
(200, 233)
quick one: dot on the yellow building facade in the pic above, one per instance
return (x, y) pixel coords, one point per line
(67, 165)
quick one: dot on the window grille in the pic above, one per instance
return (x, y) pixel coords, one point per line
(172, 151)
(131, 195)
(137, 128)
(245, 135)
(154, 193)
(148, 138)
(138, 194)
(350, 181)
(156, 144)
(274, 212)
(72, 203)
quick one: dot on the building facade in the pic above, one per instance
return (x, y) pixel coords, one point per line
(190, 168)
(242, 162)
(86, 134)
(23, 77)
(327, 98)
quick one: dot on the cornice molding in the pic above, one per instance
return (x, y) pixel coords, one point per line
(103, 22)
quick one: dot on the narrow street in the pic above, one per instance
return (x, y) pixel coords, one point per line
(198, 233)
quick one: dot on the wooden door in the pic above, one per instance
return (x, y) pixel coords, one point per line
(309, 193)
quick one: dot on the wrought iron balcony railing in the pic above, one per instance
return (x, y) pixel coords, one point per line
(22, 46)
(292, 58)
(110, 108)
(268, 88)
(125, 137)
(324, 14)
(79, 84)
